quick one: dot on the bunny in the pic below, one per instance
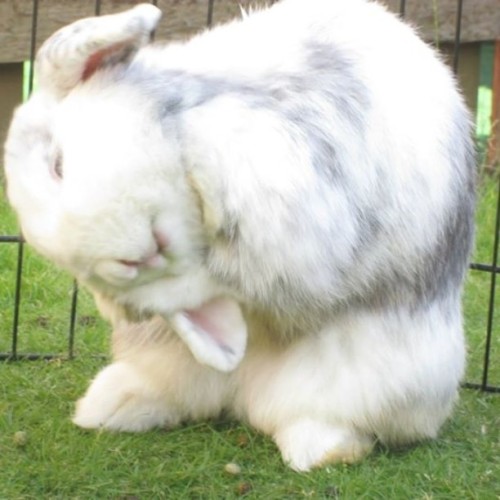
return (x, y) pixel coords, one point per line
(276, 216)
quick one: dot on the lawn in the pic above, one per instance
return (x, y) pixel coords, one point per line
(42, 455)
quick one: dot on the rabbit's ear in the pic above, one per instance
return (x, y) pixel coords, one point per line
(76, 51)
(216, 333)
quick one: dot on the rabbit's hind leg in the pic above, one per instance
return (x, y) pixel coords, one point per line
(309, 443)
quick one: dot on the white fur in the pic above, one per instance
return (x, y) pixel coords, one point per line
(322, 399)
(306, 170)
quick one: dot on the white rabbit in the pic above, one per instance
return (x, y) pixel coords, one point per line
(276, 216)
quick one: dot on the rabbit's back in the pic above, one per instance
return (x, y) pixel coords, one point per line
(338, 155)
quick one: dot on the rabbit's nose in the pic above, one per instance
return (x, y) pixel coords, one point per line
(155, 258)
(161, 239)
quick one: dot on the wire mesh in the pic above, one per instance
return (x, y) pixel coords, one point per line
(14, 353)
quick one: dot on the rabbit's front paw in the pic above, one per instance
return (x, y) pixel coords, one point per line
(120, 399)
(308, 443)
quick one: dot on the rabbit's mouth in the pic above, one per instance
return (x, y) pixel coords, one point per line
(123, 273)
(154, 262)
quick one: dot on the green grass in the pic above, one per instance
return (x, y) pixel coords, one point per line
(60, 461)
(477, 290)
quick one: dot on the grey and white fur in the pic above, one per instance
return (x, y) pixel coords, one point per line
(275, 215)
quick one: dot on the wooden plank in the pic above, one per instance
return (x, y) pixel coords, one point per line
(181, 18)
(436, 19)
(11, 85)
(16, 24)
(468, 70)
(494, 145)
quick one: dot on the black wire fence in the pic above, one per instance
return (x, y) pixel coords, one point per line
(492, 268)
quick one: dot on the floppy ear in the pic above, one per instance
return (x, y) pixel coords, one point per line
(215, 333)
(75, 52)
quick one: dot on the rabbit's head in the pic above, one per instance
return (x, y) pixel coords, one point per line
(100, 191)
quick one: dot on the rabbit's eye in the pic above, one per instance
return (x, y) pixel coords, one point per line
(56, 167)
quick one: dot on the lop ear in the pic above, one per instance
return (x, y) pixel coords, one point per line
(215, 333)
(75, 52)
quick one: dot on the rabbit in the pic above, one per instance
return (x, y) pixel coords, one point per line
(276, 216)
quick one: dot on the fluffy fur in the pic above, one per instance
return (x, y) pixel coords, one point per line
(287, 198)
